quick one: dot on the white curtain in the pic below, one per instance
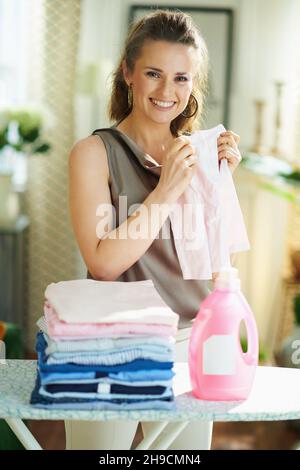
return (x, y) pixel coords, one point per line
(54, 37)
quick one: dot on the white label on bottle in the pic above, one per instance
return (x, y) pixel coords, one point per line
(219, 355)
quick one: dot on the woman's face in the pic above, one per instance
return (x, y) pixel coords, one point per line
(162, 79)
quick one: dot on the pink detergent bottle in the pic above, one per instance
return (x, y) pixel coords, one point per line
(219, 369)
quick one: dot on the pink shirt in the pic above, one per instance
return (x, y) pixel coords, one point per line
(207, 221)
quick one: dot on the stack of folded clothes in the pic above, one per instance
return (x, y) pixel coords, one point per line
(105, 345)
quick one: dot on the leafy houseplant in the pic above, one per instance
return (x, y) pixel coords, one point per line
(21, 135)
(21, 130)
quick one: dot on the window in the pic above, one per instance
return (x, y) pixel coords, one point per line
(13, 52)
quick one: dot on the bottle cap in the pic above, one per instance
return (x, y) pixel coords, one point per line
(228, 279)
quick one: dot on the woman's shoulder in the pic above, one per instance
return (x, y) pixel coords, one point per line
(91, 147)
(89, 152)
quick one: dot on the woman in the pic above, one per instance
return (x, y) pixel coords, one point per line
(157, 96)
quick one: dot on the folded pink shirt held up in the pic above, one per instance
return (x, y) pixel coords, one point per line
(207, 221)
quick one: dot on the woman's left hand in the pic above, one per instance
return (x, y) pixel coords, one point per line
(228, 148)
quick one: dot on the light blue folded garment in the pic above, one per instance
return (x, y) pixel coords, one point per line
(135, 376)
(111, 359)
(137, 364)
(147, 374)
(107, 380)
(108, 344)
(146, 348)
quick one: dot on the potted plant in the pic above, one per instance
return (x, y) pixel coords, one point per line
(21, 131)
(21, 135)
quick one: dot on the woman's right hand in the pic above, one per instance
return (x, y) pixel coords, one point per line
(178, 168)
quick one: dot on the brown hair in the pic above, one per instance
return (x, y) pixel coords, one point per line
(162, 25)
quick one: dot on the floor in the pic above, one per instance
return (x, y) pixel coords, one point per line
(278, 435)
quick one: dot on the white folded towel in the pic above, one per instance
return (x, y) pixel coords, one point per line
(89, 301)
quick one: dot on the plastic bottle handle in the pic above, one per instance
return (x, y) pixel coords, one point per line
(251, 355)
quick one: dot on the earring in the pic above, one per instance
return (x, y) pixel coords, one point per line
(189, 105)
(129, 96)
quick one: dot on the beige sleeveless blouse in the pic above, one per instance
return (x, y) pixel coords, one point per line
(131, 176)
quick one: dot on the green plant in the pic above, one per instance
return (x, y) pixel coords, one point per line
(21, 130)
(294, 176)
(262, 356)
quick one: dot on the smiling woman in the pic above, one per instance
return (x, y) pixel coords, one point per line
(160, 93)
(144, 73)
(157, 97)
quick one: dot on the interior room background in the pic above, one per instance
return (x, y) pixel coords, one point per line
(58, 56)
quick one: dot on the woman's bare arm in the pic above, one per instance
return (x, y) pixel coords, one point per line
(107, 256)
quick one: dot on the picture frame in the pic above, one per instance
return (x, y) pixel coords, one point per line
(216, 26)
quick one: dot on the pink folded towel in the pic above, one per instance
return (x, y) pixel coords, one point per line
(58, 328)
(207, 221)
(90, 301)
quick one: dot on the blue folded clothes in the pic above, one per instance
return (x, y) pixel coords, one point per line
(41, 401)
(113, 388)
(127, 377)
(137, 364)
(155, 374)
(104, 393)
(119, 376)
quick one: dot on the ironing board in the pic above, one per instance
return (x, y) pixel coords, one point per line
(275, 396)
